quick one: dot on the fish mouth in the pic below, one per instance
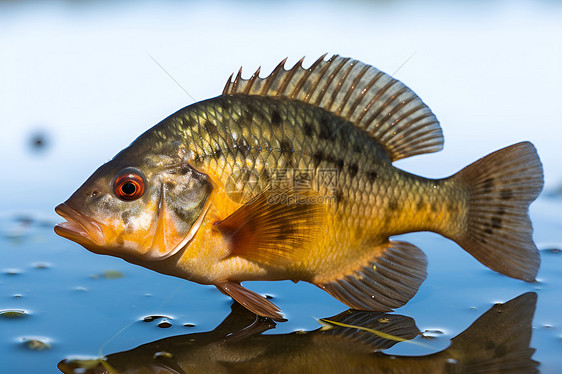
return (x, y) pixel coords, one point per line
(78, 228)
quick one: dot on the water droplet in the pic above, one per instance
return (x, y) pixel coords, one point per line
(189, 324)
(164, 324)
(154, 317)
(13, 313)
(80, 289)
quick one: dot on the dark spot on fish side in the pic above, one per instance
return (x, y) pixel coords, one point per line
(275, 118)
(338, 196)
(218, 152)
(265, 175)
(247, 116)
(325, 133)
(329, 158)
(489, 231)
(308, 130)
(434, 207)
(357, 149)
(242, 146)
(285, 146)
(210, 127)
(487, 185)
(339, 164)
(420, 205)
(393, 204)
(317, 157)
(496, 222)
(353, 168)
(506, 194)
(372, 176)
(500, 212)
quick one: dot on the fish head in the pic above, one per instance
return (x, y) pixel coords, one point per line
(137, 207)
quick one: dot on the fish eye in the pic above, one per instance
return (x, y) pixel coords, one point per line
(129, 184)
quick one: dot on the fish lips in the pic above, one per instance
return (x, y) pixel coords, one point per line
(79, 228)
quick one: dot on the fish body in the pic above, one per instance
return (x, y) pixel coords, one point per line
(291, 177)
(498, 341)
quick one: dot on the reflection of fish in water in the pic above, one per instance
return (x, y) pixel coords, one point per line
(291, 177)
(498, 342)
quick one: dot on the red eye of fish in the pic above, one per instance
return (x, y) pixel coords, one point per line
(129, 185)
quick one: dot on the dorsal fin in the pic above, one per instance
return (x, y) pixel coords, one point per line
(372, 100)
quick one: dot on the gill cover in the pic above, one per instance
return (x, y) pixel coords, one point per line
(181, 209)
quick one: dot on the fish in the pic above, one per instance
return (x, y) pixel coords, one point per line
(291, 177)
(497, 342)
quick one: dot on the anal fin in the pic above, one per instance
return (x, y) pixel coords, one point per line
(252, 301)
(388, 281)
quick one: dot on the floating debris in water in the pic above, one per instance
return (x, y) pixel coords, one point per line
(11, 271)
(41, 265)
(108, 274)
(13, 313)
(164, 324)
(36, 344)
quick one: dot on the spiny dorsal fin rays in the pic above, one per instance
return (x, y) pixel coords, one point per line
(372, 100)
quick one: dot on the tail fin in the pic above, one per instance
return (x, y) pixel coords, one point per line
(498, 230)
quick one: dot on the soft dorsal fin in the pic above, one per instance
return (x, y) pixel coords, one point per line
(372, 100)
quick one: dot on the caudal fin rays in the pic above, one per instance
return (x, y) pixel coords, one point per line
(498, 231)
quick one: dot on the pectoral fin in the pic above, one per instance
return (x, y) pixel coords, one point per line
(274, 227)
(387, 282)
(252, 301)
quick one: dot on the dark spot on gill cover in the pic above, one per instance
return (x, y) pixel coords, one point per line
(126, 216)
(506, 194)
(275, 118)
